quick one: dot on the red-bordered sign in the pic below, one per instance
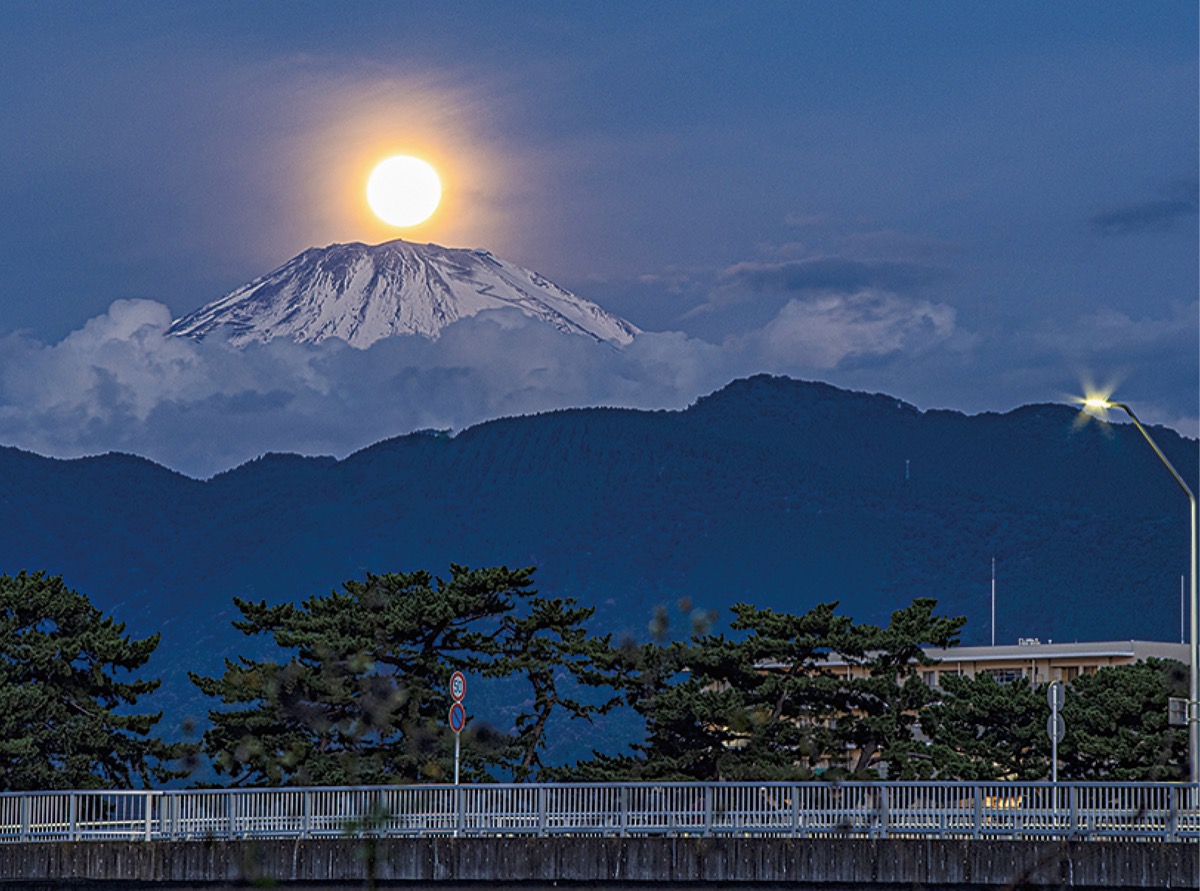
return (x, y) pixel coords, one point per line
(458, 686)
(458, 717)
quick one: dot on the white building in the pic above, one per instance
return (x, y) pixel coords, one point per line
(1045, 662)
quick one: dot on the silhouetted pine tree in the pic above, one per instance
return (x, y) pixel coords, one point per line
(64, 722)
(363, 697)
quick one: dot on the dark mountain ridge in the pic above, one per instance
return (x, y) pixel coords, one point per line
(778, 492)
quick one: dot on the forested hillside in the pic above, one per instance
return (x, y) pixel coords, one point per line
(774, 492)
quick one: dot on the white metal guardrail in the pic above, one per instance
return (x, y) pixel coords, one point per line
(1092, 811)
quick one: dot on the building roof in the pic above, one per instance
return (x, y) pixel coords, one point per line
(1031, 648)
(1035, 649)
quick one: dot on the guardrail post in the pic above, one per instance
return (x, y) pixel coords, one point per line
(1174, 793)
(541, 808)
(977, 821)
(1073, 808)
(306, 815)
(623, 804)
(231, 814)
(795, 810)
(883, 811)
(149, 814)
(708, 791)
(72, 816)
(26, 803)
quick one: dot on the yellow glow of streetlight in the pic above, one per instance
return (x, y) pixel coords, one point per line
(1096, 404)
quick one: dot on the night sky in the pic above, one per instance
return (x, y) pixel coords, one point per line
(965, 205)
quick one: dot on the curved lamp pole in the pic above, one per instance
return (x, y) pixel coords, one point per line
(1193, 709)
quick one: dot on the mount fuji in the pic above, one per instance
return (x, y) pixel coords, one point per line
(362, 293)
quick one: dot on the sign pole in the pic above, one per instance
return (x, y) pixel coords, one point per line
(1056, 729)
(1056, 697)
(458, 715)
(1053, 749)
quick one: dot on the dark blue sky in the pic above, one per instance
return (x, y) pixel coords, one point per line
(971, 205)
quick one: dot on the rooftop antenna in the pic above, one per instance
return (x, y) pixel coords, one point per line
(993, 601)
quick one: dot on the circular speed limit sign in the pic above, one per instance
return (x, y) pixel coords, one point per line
(458, 717)
(458, 686)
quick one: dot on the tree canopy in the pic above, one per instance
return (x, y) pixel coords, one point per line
(984, 730)
(362, 698)
(363, 695)
(883, 706)
(66, 682)
(784, 697)
(356, 691)
(758, 704)
(549, 648)
(1117, 725)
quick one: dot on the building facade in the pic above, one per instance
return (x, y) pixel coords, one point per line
(1042, 663)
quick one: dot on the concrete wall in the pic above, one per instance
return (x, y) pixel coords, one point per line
(530, 862)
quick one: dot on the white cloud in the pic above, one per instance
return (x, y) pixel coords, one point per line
(117, 358)
(117, 384)
(824, 332)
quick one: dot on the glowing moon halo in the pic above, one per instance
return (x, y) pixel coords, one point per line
(403, 190)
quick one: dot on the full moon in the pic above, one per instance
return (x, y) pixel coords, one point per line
(403, 190)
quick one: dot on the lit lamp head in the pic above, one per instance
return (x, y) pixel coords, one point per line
(1096, 405)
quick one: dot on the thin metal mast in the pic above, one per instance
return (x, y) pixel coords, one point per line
(993, 601)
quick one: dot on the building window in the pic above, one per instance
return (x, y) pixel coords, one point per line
(1070, 672)
(930, 678)
(1004, 675)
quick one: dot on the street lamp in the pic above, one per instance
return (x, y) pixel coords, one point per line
(1098, 403)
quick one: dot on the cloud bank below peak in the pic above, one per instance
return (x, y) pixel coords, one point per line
(118, 384)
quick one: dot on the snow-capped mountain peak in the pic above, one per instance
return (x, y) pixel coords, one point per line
(363, 293)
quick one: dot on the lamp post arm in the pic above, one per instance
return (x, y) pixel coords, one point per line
(1171, 467)
(1193, 709)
